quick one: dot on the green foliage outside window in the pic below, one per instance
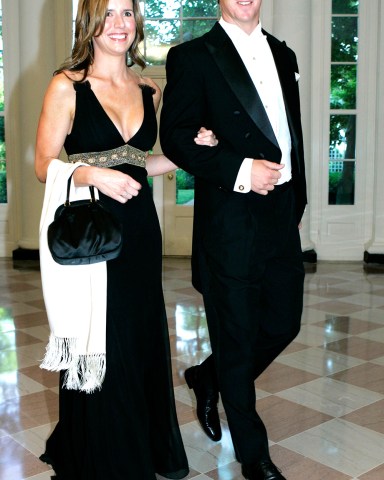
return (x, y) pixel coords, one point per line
(185, 187)
(343, 86)
(3, 173)
(345, 6)
(343, 92)
(170, 23)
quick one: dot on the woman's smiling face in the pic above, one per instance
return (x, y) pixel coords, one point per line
(119, 29)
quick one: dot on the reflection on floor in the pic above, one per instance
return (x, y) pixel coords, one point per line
(322, 400)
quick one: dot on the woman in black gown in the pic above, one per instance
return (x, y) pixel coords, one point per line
(128, 429)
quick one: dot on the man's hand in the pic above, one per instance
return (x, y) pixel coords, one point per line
(264, 176)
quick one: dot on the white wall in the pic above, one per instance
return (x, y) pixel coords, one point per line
(35, 42)
(38, 38)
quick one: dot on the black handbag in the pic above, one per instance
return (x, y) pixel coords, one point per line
(84, 232)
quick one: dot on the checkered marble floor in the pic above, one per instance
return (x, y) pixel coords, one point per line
(322, 400)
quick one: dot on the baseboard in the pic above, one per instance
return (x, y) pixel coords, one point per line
(25, 254)
(373, 257)
(310, 256)
(373, 262)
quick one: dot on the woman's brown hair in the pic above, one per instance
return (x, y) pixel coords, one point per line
(90, 20)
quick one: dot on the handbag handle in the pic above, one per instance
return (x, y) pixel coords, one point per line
(91, 190)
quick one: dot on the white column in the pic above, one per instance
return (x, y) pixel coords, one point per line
(376, 243)
(41, 44)
(291, 21)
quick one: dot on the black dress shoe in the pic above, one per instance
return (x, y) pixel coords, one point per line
(207, 399)
(264, 470)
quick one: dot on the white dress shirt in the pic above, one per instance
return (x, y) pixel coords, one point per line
(257, 57)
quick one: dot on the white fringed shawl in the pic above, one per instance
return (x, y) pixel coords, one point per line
(74, 296)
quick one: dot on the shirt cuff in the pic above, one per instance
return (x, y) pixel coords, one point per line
(243, 179)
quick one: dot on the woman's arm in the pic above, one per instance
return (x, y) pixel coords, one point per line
(55, 124)
(160, 164)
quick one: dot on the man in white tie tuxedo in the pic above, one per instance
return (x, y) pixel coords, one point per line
(250, 195)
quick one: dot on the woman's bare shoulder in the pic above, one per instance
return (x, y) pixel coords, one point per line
(149, 81)
(63, 82)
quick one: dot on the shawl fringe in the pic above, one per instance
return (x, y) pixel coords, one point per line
(83, 372)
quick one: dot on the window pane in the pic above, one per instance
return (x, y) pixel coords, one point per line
(342, 139)
(200, 8)
(185, 188)
(1, 87)
(344, 39)
(162, 9)
(341, 183)
(160, 36)
(196, 28)
(170, 23)
(3, 176)
(345, 6)
(343, 87)
(3, 173)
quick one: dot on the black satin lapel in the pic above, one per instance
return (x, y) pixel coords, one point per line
(283, 67)
(236, 75)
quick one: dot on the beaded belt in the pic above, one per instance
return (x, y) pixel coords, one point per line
(109, 158)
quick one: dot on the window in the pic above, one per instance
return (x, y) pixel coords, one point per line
(3, 173)
(167, 24)
(170, 23)
(342, 102)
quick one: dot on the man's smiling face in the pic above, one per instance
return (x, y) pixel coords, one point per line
(243, 13)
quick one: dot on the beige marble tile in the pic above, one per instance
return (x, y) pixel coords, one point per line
(337, 307)
(366, 300)
(299, 467)
(18, 308)
(16, 338)
(315, 336)
(17, 463)
(280, 377)
(27, 296)
(31, 354)
(319, 361)
(41, 332)
(312, 316)
(23, 385)
(203, 454)
(371, 315)
(368, 375)
(330, 396)
(30, 319)
(29, 411)
(284, 418)
(34, 439)
(357, 347)
(175, 297)
(376, 335)
(314, 380)
(341, 445)
(378, 361)
(332, 292)
(370, 416)
(179, 285)
(311, 299)
(13, 287)
(347, 324)
(374, 474)
(232, 471)
(43, 476)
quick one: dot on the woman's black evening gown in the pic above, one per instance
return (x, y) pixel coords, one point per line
(128, 430)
